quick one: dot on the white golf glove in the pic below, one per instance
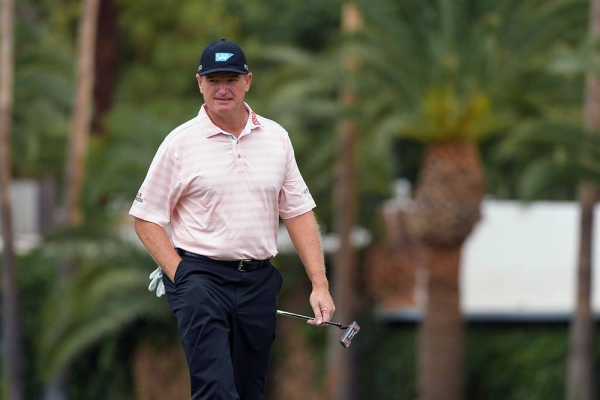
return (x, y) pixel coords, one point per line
(156, 282)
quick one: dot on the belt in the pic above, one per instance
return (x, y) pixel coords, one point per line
(240, 265)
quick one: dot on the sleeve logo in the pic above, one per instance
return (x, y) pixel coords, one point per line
(138, 197)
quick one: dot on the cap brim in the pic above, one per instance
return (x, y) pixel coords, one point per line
(223, 69)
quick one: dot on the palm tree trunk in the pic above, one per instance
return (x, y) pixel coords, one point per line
(11, 330)
(580, 381)
(447, 206)
(82, 106)
(441, 332)
(107, 51)
(580, 384)
(341, 367)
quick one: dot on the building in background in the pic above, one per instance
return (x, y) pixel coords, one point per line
(34, 212)
(519, 265)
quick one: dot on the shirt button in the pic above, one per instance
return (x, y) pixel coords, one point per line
(239, 156)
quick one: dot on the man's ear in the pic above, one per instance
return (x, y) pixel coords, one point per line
(248, 79)
(199, 79)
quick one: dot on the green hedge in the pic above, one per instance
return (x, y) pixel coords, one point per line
(502, 362)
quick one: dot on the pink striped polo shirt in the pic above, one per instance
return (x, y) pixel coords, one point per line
(223, 196)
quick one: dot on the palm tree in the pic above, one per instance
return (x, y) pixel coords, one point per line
(11, 331)
(82, 106)
(458, 72)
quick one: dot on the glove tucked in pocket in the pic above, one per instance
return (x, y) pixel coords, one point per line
(156, 282)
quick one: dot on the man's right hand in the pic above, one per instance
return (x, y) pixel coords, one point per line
(322, 305)
(157, 242)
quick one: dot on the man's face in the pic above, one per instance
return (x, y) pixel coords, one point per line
(224, 92)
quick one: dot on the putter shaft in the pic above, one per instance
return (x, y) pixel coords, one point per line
(289, 314)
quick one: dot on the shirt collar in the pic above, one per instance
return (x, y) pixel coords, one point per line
(209, 129)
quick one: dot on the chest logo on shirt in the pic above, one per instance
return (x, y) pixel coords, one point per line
(139, 198)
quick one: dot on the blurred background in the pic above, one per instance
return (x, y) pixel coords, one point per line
(452, 147)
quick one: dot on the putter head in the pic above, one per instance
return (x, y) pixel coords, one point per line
(347, 337)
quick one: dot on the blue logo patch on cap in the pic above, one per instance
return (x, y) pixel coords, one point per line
(221, 57)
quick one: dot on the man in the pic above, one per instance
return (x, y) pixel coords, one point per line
(222, 180)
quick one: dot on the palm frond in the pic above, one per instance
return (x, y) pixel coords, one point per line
(578, 60)
(85, 334)
(107, 294)
(548, 136)
(545, 175)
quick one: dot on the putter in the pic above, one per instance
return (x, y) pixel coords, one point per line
(350, 330)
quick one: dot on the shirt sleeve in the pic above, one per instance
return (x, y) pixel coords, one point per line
(294, 198)
(161, 188)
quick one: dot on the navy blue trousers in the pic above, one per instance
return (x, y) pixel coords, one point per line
(227, 321)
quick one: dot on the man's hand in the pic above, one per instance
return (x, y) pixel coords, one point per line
(158, 244)
(322, 305)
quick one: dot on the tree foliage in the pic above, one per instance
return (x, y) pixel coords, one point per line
(43, 90)
(107, 294)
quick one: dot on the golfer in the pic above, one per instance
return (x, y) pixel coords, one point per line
(222, 180)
